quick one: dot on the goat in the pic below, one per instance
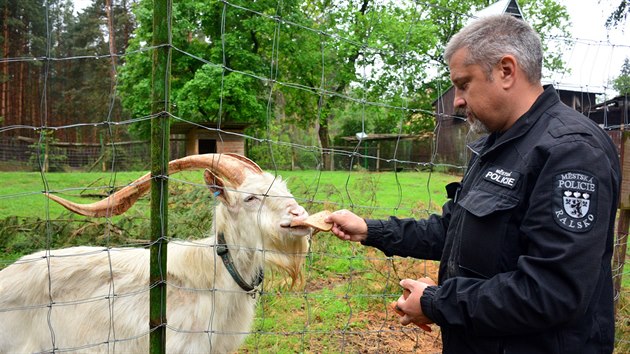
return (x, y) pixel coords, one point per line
(91, 299)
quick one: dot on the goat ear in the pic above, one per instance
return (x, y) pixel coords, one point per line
(217, 186)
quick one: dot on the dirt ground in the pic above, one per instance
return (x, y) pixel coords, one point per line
(393, 338)
(383, 333)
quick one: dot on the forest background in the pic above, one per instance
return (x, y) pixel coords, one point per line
(302, 75)
(337, 55)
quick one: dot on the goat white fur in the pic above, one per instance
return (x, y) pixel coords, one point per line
(91, 299)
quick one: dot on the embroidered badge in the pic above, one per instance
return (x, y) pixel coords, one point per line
(574, 201)
(502, 177)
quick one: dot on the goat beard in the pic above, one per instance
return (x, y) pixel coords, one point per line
(293, 268)
(291, 260)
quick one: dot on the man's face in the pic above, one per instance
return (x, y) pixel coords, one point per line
(478, 96)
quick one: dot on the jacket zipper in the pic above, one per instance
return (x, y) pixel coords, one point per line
(453, 260)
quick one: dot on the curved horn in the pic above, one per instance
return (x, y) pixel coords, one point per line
(231, 166)
(247, 161)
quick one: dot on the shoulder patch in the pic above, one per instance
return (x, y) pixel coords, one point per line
(575, 201)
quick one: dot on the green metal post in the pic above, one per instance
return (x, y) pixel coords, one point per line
(160, 132)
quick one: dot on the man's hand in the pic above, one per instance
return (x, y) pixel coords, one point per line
(408, 305)
(347, 226)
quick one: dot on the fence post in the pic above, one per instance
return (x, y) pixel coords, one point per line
(621, 242)
(619, 259)
(160, 134)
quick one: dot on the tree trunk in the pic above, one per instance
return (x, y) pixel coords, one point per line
(326, 106)
(5, 66)
(321, 126)
(112, 52)
(127, 25)
(112, 40)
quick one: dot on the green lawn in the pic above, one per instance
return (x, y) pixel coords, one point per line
(21, 193)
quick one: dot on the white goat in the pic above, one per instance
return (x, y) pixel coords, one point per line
(91, 299)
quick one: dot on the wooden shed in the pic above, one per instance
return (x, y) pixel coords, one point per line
(611, 114)
(206, 138)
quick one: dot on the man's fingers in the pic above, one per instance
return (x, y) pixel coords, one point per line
(394, 306)
(410, 285)
(424, 327)
(407, 284)
(397, 309)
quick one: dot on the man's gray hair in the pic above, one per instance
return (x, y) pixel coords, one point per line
(490, 38)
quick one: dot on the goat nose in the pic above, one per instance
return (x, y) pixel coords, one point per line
(297, 210)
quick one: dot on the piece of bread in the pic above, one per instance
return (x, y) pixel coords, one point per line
(315, 221)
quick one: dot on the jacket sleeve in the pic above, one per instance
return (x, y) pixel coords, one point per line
(568, 226)
(409, 237)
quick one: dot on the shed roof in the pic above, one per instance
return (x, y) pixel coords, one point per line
(185, 127)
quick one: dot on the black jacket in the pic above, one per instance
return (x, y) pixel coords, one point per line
(525, 243)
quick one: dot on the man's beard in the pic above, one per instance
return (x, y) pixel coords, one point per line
(477, 127)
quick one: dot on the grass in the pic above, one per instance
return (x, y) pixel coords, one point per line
(22, 192)
(386, 193)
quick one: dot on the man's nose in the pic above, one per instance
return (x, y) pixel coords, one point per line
(458, 101)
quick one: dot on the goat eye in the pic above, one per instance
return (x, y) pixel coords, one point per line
(250, 198)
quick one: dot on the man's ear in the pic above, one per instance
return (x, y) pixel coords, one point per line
(507, 70)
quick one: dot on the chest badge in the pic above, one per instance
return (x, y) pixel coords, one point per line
(574, 201)
(502, 177)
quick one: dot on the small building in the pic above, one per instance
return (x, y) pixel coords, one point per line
(451, 131)
(576, 97)
(612, 114)
(207, 138)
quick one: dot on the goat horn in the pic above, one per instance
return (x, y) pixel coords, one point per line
(231, 166)
(252, 165)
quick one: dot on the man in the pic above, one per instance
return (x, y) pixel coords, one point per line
(525, 240)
